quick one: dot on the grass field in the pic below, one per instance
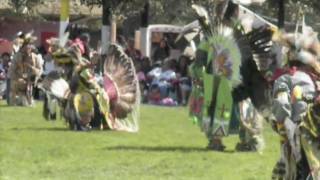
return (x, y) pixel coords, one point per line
(168, 146)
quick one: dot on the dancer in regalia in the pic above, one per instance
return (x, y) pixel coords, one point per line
(226, 51)
(295, 107)
(287, 96)
(24, 72)
(111, 103)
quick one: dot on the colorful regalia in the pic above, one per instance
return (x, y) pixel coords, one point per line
(226, 61)
(24, 72)
(285, 91)
(86, 101)
(295, 106)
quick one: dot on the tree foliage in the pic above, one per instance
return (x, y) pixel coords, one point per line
(179, 11)
(310, 8)
(161, 11)
(24, 6)
(118, 8)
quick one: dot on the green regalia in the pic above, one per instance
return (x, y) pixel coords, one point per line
(221, 71)
(226, 47)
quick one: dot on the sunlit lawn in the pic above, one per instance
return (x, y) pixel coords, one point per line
(168, 146)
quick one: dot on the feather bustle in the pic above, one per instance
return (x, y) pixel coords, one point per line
(119, 67)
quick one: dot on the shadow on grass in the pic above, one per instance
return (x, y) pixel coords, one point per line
(182, 149)
(40, 129)
(4, 105)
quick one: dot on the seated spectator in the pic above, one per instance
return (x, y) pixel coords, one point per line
(163, 81)
(161, 52)
(6, 63)
(155, 71)
(142, 80)
(132, 52)
(154, 96)
(146, 64)
(184, 86)
(2, 80)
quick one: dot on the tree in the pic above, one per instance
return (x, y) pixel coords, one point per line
(171, 11)
(161, 11)
(180, 12)
(292, 8)
(118, 8)
(24, 6)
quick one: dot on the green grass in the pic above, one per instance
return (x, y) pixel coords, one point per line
(168, 146)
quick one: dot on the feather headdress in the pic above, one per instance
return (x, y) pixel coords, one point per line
(303, 45)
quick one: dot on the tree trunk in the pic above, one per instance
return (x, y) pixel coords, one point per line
(281, 14)
(145, 15)
(105, 30)
(144, 36)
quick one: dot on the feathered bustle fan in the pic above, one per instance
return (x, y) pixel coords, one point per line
(259, 46)
(120, 82)
(255, 48)
(56, 85)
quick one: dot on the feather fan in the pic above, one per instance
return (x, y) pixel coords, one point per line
(121, 82)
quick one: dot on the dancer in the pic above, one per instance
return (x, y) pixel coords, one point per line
(24, 73)
(112, 103)
(295, 117)
(226, 52)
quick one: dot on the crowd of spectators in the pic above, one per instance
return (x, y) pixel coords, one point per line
(163, 80)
